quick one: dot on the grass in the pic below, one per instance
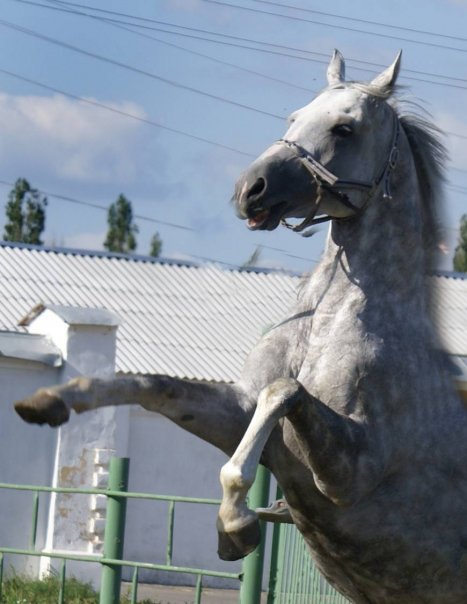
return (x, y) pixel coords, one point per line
(23, 590)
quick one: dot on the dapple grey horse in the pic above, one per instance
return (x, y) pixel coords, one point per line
(347, 400)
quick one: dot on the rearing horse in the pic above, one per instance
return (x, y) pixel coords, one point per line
(347, 400)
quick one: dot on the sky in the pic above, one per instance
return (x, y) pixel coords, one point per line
(168, 101)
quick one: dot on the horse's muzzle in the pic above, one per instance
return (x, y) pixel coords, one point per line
(273, 186)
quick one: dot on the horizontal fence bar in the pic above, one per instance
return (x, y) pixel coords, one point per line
(129, 563)
(132, 495)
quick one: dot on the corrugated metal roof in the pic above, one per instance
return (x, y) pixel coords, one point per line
(197, 322)
(449, 308)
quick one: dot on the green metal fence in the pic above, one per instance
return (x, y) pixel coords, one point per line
(297, 580)
(293, 578)
(111, 561)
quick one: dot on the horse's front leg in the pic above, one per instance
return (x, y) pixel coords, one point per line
(343, 462)
(237, 525)
(217, 413)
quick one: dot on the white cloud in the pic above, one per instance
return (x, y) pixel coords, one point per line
(60, 138)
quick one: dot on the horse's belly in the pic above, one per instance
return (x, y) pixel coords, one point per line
(404, 544)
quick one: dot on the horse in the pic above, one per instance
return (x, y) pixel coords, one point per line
(348, 400)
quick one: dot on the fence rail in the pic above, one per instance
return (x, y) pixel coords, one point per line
(111, 561)
(293, 577)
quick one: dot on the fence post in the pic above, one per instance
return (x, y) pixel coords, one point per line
(114, 531)
(275, 569)
(250, 591)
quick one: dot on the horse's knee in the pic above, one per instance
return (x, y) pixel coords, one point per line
(282, 396)
(234, 479)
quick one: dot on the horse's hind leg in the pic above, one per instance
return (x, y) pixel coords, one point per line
(237, 525)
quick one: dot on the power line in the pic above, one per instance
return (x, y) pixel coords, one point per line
(323, 61)
(148, 74)
(153, 220)
(128, 28)
(150, 122)
(366, 21)
(143, 72)
(335, 26)
(125, 114)
(101, 207)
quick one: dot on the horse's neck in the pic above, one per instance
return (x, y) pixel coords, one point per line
(377, 258)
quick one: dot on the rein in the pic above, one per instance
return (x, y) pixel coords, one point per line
(327, 182)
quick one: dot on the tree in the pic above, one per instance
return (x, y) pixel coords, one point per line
(155, 246)
(121, 234)
(25, 212)
(460, 255)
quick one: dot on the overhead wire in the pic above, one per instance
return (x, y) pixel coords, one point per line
(152, 75)
(325, 58)
(142, 72)
(143, 120)
(97, 206)
(455, 187)
(360, 20)
(336, 26)
(125, 113)
(128, 28)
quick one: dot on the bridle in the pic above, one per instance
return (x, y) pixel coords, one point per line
(327, 182)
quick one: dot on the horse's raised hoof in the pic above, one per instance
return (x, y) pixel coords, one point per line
(238, 544)
(43, 408)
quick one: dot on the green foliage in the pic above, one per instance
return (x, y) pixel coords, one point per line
(19, 590)
(121, 234)
(460, 255)
(25, 212)
(155, 246)
(22, 590)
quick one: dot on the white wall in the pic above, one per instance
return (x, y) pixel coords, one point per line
(27, 454)
(163, 460)
(166, 460)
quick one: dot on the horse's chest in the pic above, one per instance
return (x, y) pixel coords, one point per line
(337, 352)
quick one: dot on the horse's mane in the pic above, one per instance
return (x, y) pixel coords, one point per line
(430, 157)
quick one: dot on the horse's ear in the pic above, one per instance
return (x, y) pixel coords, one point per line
(386, 80)
(336, 69)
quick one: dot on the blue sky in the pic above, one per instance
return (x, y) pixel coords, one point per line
(81, 150)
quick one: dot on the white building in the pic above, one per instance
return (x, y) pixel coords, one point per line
(66, 312)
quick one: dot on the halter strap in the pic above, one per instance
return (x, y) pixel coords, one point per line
(328, 182)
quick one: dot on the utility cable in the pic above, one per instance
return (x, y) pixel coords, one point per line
(325, 57)
(143, 72)
(365, 21)
(101, 207)
(125, 114)
(335, 26)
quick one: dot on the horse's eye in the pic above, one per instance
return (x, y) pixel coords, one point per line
(342, 130)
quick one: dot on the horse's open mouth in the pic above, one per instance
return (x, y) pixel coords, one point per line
(267, 219)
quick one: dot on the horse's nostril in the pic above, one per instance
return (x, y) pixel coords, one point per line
(258, 187)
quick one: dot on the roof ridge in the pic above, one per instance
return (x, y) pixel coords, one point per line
(140, 258)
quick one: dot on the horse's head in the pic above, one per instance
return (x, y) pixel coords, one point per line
(336, 152)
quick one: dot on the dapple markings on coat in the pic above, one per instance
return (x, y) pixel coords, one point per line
(347, 400)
